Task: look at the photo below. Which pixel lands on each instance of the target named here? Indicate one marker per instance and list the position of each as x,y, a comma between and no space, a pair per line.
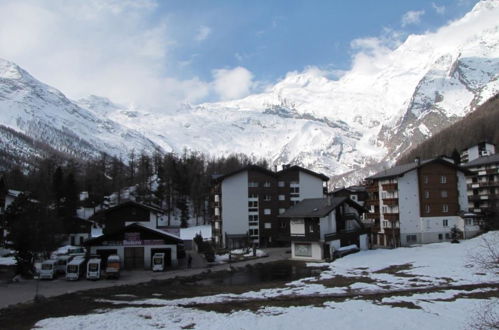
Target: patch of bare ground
320,300
397,270
344,281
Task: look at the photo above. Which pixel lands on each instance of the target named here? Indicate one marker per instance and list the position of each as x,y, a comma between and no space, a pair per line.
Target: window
445,208
253,232
266,184
253,184
268,225
283,224
426,194
268,198
281,184
443,179
445,223
281,210
384,209
447,236
253,218
303,249
266,211
469,222
294,190
443,193
427,209
440,237
425,179
252,196
253,204
311,228
282,197
353,197
411,238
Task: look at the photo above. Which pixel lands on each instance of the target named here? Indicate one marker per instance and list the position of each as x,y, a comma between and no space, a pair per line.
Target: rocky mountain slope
346,128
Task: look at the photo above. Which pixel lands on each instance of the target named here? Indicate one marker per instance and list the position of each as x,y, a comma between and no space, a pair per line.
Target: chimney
417,160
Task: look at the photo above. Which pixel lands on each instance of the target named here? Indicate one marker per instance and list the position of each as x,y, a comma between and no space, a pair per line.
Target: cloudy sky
160,54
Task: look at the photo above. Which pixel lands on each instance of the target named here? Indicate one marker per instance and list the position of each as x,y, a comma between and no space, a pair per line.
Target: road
24,291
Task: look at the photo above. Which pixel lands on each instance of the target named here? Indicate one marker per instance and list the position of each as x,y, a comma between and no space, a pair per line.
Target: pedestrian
189,261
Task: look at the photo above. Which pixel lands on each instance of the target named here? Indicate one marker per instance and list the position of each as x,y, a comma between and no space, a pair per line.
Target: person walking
189,261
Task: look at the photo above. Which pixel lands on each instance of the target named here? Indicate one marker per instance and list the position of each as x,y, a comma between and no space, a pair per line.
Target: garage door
134,258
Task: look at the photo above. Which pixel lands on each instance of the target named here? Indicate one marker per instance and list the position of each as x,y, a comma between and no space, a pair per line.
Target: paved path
14,293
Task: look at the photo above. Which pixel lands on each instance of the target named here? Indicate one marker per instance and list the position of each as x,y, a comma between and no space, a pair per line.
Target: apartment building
321,226
418,202
248,201
483,185
482,149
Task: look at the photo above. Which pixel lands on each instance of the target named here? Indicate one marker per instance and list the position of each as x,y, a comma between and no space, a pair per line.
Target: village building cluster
425,201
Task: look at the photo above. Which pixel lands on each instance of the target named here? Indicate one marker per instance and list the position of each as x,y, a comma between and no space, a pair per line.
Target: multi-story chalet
356,193
248,201
482,149
483,186
418,202
132,230
320,226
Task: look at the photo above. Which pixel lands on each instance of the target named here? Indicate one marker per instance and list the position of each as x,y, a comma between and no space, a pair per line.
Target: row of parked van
76,267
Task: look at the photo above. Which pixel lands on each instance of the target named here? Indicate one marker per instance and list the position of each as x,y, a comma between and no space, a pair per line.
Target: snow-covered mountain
346,128
45,114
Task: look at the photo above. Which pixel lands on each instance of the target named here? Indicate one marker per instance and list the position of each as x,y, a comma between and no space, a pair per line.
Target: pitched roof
317,207
164,234
400,170
492,159
296,167
243,169
124,204
270,173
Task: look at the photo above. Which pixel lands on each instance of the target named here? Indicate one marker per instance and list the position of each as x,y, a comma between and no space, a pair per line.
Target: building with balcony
320,226
247,202
483,188
482,149
418,202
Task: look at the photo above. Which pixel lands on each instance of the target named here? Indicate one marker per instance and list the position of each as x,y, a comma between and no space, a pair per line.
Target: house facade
418,202
321,226
483,186
134,232
247,203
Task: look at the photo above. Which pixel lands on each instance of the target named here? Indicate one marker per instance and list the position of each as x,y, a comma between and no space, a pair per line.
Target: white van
158,262
93,269
75,269
48,269
62,262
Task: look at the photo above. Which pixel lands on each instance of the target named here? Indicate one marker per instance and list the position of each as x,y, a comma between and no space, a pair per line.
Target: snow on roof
190,232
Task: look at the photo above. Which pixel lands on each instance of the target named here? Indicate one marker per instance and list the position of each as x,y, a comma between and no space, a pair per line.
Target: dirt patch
344,281
402,304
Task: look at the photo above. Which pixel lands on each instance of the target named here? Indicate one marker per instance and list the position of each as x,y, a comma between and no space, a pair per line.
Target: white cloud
232,83
203,33
412,17
439,9
113,48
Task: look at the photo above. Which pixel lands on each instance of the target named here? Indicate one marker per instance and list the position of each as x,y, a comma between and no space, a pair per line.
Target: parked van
93,269
75,269
158,262
113,266
62,262
48,269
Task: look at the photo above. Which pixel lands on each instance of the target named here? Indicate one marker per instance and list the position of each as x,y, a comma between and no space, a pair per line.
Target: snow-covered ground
7,261
405,288
191,232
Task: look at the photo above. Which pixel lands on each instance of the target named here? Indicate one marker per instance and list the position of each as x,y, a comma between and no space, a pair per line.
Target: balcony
391,201
391,216
374,216
374,202
389,186
372,188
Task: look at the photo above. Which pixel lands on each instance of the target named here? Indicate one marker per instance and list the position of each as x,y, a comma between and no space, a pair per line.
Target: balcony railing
372,188
372,202
391,201
391,216
389,186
